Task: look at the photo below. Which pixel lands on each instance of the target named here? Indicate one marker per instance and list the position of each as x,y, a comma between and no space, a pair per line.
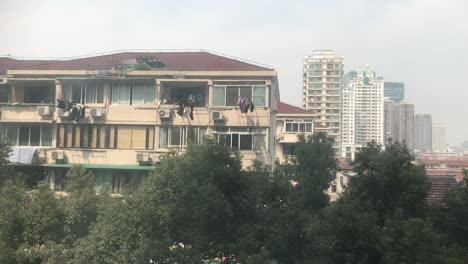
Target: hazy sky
420,42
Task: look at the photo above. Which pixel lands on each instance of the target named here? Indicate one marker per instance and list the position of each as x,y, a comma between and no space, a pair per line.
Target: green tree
12,200
81,202
288,206
381,217
6,170
44,220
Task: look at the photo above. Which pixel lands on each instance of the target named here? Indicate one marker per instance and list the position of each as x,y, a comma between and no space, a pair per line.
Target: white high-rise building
363,112
323,83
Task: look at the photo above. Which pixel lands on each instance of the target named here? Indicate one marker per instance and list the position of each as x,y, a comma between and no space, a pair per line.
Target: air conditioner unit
157,157
62,113
217,116
44,110
58,155
96,112
164,113
143,158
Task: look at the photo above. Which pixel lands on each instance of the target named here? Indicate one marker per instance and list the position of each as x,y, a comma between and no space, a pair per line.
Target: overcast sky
422,43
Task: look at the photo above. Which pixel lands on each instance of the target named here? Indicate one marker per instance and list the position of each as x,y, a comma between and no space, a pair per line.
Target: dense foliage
203,206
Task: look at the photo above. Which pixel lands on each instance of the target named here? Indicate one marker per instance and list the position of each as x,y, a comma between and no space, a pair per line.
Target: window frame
291,123
17,128
183,136
239,87
242,132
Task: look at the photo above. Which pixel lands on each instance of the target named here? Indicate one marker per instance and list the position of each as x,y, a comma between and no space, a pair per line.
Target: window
143,92
289,149
37,94
243,138
136,92
180,137
110,136
83,92
4,93
229,95
27,134
124,181
301,126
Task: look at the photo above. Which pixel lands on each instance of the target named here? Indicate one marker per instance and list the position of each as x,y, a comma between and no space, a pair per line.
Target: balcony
20,112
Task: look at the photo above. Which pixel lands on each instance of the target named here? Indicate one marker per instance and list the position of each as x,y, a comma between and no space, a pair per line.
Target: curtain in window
218,96
124,138
163,137
139,137
90,93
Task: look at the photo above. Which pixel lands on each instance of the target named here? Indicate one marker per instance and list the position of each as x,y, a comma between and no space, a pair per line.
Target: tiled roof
284,108
453,163
183,61
440,185
458,173
343,164
319,126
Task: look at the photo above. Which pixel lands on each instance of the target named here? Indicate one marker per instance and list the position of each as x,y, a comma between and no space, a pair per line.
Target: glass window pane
46,136
90,93
175,136
163,137
288,127
192,135
260,143
100,93
35,135
149,92
218,95
4,93
124,92
245,142
115,93
138,96
308,127
12,133
259,96
295,127
76,92
232,96
246,92
235,141
24,135
301,127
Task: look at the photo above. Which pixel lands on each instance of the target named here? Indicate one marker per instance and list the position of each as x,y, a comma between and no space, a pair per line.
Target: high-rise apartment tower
323,83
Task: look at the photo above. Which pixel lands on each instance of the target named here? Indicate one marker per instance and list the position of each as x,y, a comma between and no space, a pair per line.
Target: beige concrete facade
124,129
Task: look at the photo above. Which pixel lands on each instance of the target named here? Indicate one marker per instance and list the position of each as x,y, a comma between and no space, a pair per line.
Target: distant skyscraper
406,130
391,120
399,122
363,112
438,137
323,83
395,91
423,132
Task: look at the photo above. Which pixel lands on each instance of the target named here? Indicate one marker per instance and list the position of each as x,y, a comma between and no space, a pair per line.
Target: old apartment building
118,114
